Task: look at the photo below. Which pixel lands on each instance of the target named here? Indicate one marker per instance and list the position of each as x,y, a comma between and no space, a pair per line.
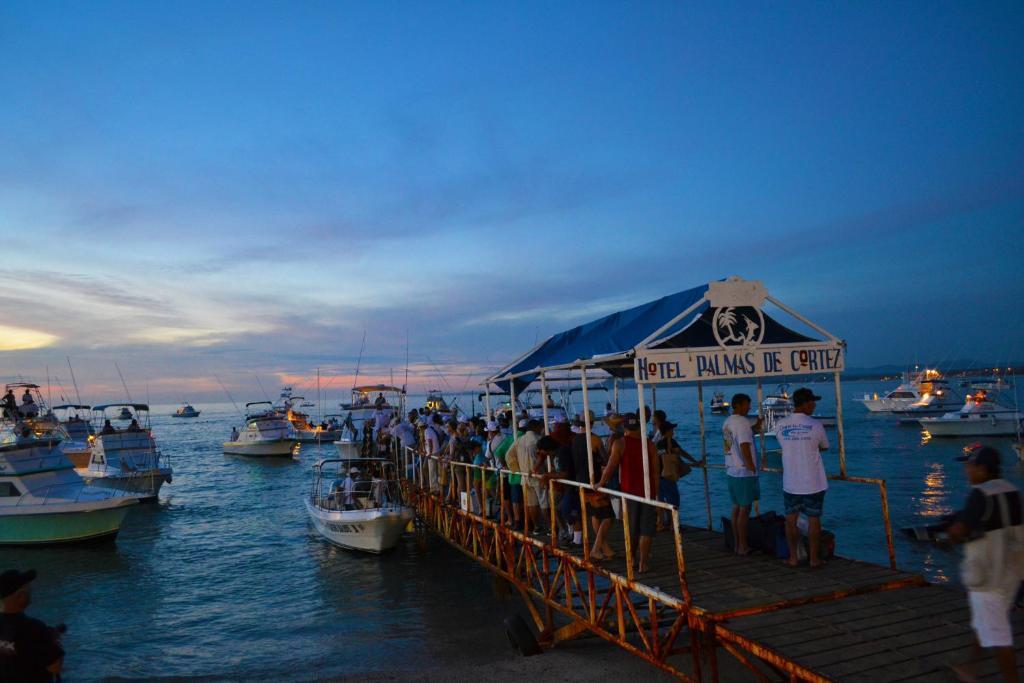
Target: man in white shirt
803,474
432,450
405,432
741,469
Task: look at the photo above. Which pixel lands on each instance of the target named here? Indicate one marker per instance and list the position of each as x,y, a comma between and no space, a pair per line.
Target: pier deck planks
906,634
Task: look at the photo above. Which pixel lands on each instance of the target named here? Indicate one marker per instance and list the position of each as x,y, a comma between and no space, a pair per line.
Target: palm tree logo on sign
738,326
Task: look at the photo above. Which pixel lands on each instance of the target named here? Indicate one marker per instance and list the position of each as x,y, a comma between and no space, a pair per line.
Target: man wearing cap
627,458
803,474
515,481
990,527
29,650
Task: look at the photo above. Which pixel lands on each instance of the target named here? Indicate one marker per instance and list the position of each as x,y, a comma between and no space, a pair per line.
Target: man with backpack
991,527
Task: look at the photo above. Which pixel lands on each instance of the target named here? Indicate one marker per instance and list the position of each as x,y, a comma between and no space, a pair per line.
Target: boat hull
969,428
319,437
73,526
372,531
263,449
143,485
349,449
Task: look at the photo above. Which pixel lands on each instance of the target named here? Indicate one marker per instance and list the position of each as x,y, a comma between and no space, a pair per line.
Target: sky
209,193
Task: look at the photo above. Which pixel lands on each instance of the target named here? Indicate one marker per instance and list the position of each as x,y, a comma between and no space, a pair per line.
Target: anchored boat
365,412
126,459
718,404
43,500
356,503
186,411
910,391
980,416
267,433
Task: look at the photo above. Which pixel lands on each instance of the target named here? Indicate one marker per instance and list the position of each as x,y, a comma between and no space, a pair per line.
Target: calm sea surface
224,577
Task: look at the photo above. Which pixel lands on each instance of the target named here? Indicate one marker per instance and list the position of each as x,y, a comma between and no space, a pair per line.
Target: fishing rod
230,397
127,393
260,384
406,383
359,362
78,396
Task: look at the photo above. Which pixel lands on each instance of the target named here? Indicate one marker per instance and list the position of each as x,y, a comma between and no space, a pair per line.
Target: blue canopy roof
611,335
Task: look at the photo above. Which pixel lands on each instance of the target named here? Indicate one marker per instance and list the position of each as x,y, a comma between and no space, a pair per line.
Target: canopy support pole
704,450
760,417
654,397
544,401
642,414
839,428
487,402
586,423
515,415
615,393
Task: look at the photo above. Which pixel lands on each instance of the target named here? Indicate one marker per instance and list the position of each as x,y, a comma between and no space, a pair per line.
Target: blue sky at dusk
244,188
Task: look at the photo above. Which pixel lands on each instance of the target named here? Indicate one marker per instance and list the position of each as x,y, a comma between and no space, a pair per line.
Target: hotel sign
739,362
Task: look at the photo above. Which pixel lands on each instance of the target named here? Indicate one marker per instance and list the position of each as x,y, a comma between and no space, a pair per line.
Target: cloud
20,338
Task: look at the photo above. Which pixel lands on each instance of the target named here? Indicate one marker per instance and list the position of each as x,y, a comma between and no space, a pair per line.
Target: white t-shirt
432,445
802,439
406,434
736,431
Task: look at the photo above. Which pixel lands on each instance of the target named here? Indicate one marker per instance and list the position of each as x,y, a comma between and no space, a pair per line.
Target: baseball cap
492,426
976,454
801,396
524,423
12,580
630,421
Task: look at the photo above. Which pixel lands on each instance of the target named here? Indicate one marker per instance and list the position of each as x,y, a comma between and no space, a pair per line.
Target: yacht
126,459
779,405
909,391
979,416
719,406
305,431
936,398
266,433
43,500
186,411
125,413
356,503
389,400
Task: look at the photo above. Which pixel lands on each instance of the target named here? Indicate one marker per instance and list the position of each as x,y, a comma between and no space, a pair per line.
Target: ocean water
225,578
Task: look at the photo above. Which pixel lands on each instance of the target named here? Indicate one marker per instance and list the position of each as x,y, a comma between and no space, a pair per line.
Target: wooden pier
847,621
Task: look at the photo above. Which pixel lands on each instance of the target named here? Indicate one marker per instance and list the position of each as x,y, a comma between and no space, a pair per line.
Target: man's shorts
515,493
990,618
643,518
744,490
811,504
536,493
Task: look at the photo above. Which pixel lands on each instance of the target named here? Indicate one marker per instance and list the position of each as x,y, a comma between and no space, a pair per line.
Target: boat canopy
136,406
717,331
258,403
378,388
71,406
21,385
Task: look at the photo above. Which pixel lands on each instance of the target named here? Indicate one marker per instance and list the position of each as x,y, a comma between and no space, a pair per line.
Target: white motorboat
305,431
356,503
126,459
910,391
378,411
719,406
779,405
936,398
43,500
186,411
980,416
267,433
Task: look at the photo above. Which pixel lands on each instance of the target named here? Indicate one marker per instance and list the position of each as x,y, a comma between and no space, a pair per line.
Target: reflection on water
225,576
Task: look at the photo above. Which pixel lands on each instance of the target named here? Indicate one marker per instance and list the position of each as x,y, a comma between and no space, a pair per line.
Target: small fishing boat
186,411
902,397
43,500
719,406
779,405
125,414
356,503
305,430
980,416
126,459
267,433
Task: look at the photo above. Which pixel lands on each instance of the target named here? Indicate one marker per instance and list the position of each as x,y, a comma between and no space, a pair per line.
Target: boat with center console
356,503
126,459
